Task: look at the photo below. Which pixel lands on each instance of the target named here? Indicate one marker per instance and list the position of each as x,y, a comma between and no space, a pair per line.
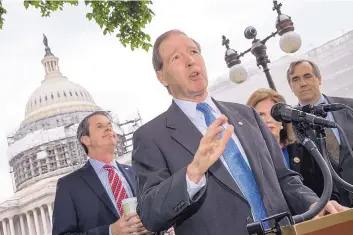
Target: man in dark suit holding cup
92,200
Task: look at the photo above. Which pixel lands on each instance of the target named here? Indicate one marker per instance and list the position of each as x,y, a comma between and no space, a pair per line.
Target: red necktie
118,189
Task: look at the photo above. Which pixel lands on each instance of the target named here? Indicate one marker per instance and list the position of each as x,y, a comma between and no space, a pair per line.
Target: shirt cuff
110,230
194,188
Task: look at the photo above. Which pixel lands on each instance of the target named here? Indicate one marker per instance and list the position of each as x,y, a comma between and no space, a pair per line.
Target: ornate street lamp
290,42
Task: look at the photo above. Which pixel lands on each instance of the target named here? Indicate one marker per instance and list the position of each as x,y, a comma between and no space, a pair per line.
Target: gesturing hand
210,149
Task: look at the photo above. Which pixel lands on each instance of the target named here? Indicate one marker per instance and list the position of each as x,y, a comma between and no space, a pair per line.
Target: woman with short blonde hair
286,134
295,154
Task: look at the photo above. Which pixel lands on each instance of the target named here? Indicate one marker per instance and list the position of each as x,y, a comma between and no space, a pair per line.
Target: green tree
125,18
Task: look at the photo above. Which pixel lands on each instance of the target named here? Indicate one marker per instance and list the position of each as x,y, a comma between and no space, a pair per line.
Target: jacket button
249,220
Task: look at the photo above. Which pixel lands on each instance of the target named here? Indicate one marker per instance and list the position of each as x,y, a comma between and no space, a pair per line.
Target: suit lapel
129,176
185,132
340,117
187,135
91,178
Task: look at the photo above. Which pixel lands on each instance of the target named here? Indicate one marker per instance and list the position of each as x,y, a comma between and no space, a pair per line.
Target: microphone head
298,107
277,110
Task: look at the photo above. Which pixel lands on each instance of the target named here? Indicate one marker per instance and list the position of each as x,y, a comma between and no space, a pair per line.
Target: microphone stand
325,165
258,228
320,134
328,184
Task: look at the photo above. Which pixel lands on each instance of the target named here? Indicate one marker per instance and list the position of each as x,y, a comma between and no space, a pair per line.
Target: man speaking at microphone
304,79
204,166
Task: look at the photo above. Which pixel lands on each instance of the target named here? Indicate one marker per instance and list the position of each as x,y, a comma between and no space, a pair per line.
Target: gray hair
157,60
292,66
83,127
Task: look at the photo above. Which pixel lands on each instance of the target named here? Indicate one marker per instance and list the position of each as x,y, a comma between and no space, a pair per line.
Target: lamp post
290,42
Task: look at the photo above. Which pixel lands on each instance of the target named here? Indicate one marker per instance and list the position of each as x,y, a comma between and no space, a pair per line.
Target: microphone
283,112
320,108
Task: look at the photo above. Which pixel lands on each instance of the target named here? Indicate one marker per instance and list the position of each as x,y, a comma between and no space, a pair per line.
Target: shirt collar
320,101
98,165
189,107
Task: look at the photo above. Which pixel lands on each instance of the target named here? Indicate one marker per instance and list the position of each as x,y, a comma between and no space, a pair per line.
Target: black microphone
320,108
283,112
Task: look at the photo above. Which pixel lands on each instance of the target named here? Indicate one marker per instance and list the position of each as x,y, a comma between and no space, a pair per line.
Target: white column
44,221
12,228
29,223
22,225
50,211
36,221
4,227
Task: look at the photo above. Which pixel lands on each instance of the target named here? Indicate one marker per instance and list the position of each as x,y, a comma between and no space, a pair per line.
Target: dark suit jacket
82,205
166,145
344,118
301,161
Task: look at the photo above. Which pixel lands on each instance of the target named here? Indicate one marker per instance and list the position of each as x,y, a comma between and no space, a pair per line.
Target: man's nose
189,61
303,82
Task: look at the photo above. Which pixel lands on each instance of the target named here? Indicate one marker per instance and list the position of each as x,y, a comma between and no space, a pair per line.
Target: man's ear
290,86
161,78
85,140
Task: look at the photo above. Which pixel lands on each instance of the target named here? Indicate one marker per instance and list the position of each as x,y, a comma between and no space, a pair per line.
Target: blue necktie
239,169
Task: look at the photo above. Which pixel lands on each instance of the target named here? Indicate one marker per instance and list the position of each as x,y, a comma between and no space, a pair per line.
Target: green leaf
2,12
146,47
127,19
89,16
26,3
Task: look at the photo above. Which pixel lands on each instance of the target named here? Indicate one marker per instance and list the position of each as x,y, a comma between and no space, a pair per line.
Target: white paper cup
129,205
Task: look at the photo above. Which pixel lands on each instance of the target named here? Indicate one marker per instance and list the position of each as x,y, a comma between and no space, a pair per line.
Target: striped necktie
333,146
117,186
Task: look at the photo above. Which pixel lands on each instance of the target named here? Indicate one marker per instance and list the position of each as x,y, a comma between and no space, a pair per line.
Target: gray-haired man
304,79
193,180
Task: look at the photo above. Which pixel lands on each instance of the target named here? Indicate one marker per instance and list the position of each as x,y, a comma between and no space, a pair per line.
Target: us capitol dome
45,147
